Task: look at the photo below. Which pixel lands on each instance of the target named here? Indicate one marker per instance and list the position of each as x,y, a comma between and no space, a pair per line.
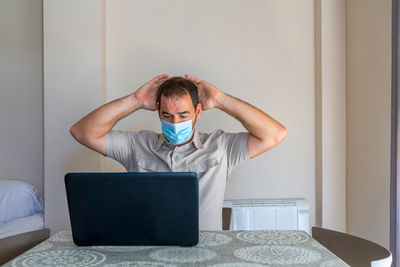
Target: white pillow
18,199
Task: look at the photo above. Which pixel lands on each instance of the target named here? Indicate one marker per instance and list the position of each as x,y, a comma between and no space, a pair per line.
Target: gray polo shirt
211,155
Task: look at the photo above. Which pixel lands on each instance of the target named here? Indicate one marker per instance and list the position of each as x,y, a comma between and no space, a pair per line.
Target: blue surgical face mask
177,133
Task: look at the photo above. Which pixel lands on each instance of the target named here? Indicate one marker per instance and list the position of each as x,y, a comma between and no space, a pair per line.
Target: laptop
133,208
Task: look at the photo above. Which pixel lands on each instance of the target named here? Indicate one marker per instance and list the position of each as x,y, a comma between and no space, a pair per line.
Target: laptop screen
133,208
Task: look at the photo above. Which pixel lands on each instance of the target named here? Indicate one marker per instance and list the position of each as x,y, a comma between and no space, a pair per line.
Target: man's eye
183,117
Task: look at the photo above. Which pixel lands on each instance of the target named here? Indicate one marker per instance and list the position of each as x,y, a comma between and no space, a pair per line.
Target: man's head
178,100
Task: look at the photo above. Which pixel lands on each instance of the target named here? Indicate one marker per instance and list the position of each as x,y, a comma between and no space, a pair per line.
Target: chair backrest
13,246
226,218
353,250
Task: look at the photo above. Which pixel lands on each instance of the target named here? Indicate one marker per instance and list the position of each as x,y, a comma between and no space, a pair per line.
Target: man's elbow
281,135
276,139
74,132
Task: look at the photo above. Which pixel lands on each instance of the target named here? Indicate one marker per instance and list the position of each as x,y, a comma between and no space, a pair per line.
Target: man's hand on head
208,93
91,130
146,95
264,131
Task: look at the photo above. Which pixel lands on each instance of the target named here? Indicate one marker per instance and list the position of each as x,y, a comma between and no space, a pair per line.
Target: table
215,248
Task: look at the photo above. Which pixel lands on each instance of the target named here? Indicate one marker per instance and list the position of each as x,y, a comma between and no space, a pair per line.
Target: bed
21,208
22,225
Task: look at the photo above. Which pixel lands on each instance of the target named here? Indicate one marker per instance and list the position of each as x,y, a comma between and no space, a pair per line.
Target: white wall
330,113
259,51
72,88
21,93
368,118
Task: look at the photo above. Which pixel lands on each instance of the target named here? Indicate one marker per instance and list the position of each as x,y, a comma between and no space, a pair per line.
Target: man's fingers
193,78
160,77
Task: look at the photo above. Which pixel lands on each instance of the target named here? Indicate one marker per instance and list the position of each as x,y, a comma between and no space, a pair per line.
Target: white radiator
269,214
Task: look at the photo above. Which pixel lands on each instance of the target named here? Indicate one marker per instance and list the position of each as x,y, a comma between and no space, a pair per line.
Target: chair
226,218
12,246
353,250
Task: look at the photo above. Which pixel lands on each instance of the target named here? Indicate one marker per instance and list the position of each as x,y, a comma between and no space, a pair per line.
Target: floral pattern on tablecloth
215,249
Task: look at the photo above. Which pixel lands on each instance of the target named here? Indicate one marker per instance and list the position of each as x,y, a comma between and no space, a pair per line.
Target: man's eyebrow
180,113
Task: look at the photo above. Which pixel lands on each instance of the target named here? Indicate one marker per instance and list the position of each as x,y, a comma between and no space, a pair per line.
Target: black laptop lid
133,208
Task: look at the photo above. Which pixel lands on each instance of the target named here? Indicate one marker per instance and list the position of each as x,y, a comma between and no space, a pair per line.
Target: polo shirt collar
196,140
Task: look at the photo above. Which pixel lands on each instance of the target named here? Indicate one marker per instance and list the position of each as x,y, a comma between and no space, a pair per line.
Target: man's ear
199,109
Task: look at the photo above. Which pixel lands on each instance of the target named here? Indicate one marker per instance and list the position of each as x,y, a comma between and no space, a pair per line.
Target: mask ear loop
194,126
195,116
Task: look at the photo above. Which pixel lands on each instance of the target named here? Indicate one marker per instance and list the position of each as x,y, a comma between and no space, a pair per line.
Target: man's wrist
133,102
219,101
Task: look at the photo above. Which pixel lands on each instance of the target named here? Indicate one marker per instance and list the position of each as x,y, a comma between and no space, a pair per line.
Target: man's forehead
176,104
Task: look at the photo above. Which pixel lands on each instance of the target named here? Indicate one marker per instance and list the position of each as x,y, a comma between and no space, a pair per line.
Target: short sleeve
236,148
119,146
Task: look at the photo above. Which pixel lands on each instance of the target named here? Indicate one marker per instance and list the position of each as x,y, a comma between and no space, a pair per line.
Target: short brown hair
178,87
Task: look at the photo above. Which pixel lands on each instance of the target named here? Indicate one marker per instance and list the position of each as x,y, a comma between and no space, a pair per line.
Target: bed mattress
22,225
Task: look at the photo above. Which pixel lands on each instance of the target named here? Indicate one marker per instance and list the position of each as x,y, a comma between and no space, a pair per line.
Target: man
180,102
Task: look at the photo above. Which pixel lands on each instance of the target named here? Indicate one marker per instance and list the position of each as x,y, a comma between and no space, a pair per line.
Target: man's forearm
100,121
257,123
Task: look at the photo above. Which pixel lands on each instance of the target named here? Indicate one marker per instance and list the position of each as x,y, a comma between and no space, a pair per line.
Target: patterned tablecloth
215,248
